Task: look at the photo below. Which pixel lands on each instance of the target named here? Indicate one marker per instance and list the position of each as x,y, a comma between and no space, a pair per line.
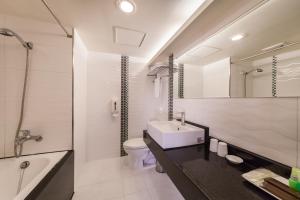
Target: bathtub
10,172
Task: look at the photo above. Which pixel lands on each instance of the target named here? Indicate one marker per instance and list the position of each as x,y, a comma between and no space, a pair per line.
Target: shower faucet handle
25,132
26,135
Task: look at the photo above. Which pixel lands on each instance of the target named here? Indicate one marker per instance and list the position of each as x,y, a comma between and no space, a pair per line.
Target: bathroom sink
171,134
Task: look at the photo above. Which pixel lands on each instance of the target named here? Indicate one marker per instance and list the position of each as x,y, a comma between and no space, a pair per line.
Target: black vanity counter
200,174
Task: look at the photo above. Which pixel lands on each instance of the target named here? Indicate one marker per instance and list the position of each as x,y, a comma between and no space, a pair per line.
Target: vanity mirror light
258,55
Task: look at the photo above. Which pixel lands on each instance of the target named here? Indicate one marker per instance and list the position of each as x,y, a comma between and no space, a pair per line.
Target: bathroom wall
200,80
298,146
288,81
2,89
48,106
216,71
260,84
103,83
80,102
289,78
266,126
143,106
193,81
237,79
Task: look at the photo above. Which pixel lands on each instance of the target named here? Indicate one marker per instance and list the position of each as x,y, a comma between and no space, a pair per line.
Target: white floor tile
111,189
165,194
111,179
90,192
134,184
102,191
99,171
144,195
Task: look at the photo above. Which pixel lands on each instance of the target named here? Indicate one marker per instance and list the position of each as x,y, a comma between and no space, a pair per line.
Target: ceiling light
237,37
126,6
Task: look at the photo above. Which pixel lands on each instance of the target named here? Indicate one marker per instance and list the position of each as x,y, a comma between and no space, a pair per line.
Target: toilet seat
135,143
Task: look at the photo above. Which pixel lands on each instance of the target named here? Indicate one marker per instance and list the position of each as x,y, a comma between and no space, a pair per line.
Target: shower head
259,70
6,32
253,70
10,33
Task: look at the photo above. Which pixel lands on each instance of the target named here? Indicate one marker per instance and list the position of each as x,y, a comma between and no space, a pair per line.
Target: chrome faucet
182,117
24,137
27,136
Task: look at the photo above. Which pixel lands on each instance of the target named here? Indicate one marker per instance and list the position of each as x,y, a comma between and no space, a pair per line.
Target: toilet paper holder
115,111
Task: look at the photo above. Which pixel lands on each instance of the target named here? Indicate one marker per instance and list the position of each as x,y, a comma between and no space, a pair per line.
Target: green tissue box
294,185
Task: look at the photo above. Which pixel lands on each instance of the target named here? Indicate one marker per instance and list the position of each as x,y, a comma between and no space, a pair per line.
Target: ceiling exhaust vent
203,51
128,37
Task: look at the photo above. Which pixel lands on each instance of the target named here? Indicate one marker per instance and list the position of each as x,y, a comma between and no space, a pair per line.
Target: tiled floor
110,179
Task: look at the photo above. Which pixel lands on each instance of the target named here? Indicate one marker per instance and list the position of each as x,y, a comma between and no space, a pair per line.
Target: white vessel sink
171,134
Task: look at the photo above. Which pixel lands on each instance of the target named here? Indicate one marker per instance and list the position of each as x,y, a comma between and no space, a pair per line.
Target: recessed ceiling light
237,37
126,6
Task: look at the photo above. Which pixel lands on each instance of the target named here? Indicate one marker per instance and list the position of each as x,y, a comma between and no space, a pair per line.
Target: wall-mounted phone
115,110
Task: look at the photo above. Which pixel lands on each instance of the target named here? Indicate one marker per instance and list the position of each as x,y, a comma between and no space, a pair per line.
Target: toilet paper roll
213,145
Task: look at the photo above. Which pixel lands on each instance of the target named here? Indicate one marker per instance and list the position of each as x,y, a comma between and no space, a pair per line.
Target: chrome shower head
253,70
259,70
10,33
6,32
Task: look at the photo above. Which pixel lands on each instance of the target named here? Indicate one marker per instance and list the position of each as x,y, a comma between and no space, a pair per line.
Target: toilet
138,153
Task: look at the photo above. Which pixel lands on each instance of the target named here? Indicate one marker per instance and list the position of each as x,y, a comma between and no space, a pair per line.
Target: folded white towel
157,87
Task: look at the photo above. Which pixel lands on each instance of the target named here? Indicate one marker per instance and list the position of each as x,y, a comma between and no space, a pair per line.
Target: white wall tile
2,92
298,128
103,83
2,39
2,82
266,126
12,114
2,125
50,85
42,58
43,116
80,103
143,106
216,78
52,119
14,81
14,53
48,105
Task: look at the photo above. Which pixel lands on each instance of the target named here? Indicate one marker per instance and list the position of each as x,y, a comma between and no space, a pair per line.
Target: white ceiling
95,19
274,22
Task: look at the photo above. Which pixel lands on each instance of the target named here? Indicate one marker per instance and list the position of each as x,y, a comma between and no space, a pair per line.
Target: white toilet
137,152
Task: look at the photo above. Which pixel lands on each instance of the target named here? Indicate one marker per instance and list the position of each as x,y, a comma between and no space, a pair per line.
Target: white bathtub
10,171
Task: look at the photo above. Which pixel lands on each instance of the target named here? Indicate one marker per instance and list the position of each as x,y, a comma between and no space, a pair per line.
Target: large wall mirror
256,56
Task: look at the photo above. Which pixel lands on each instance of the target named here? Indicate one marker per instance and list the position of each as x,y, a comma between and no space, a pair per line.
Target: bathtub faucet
24,137
27,136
